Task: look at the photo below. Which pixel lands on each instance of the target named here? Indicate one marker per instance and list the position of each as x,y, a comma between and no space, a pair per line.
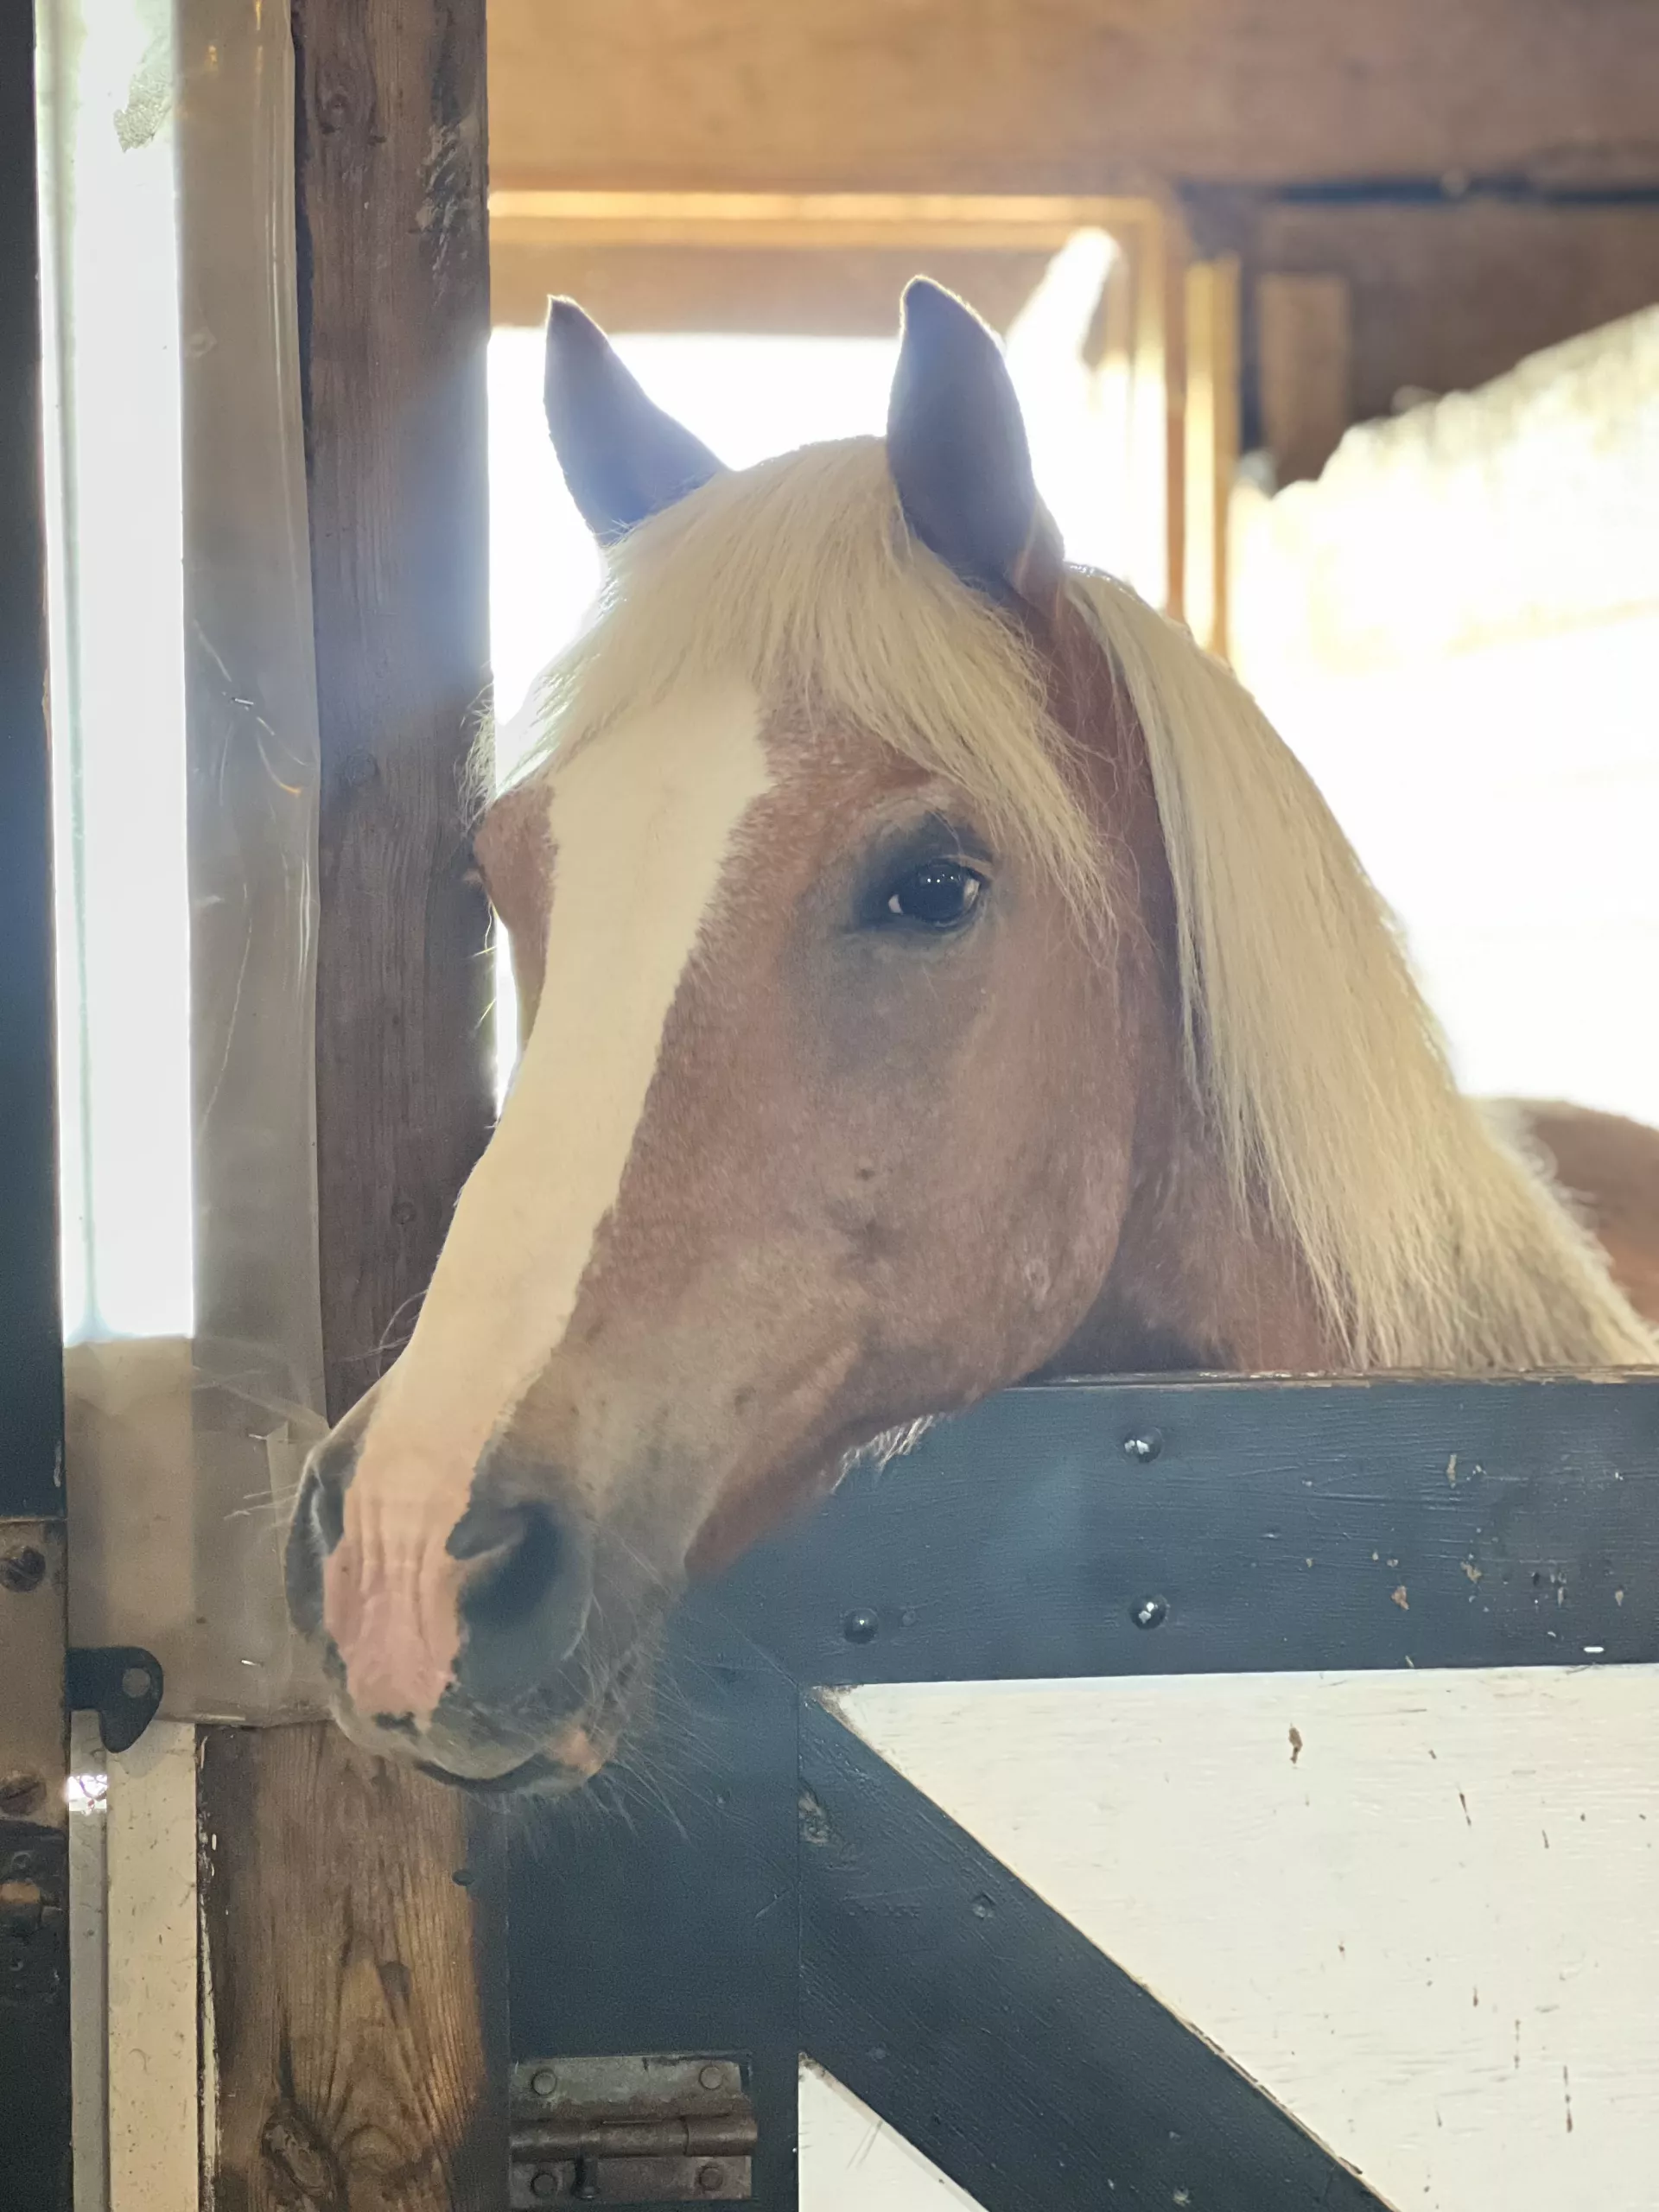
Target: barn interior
1377,217
1475,182
1337,332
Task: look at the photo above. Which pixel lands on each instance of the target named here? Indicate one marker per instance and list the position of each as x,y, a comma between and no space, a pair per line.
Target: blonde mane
800,576
1430,1241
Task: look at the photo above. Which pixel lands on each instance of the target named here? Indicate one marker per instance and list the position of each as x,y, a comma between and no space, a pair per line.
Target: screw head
19,1793
1144,1446
544,2080
709,2178
861,1627
1151,1612
544,2183
135,1682
22,1569
712,2077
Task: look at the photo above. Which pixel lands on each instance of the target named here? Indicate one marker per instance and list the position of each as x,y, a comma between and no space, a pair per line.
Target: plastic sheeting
182,1450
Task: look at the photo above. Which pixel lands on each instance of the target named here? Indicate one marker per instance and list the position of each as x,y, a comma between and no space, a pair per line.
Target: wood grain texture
1212,313
1445,298
356,1999
394,312
349,2045
1282,1525
1061,94
1221,98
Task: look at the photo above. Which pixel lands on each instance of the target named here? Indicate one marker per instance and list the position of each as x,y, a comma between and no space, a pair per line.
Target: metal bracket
121,1683
647,2130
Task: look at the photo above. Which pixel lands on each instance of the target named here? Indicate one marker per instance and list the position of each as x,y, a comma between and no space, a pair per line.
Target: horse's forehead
821,774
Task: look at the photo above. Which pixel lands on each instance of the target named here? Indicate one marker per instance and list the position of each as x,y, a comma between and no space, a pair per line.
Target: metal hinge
122,1684
668,2130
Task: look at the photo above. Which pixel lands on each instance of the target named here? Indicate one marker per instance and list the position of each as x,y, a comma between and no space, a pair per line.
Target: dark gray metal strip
35,2111
996,2038
1220,1527
35,2103
31,1411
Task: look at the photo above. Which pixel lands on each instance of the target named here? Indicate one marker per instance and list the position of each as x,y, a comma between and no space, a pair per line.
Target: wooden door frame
355,2015
1148,228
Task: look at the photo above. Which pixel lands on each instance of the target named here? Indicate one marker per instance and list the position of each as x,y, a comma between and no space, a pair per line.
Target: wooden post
1148,314
1212,442
357,2007
1304,360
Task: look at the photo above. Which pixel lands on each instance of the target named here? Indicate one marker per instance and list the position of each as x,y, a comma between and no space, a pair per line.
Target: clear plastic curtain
185,737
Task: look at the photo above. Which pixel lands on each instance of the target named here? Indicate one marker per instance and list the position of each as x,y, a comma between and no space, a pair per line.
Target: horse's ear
956,447
622,457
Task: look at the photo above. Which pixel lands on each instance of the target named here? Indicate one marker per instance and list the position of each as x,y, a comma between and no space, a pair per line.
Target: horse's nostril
513,1572
329,1507
309,1542
525,1601
488,1527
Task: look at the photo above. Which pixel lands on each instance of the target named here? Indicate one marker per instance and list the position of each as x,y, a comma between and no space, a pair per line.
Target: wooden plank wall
1211,443
358,2007
1305,369
1075,95
1226,100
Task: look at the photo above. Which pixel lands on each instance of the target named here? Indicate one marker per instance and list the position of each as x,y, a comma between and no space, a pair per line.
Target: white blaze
642,820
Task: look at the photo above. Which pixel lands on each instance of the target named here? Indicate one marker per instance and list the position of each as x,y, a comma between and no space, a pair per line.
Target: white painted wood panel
851,2161
89,2011
151,1919
1420,1909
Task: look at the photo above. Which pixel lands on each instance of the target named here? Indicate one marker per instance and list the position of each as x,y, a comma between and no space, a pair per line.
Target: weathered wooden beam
357,2070
1077,96
1212,442
357,2013
1305,369
394,321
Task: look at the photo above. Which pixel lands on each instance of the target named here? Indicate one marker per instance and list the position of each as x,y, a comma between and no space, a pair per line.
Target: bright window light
116,541
747,396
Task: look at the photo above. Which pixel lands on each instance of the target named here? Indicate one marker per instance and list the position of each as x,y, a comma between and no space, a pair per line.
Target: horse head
806,907
918,995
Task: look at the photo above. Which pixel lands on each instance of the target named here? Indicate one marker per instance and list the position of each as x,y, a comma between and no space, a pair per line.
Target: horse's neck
1453,1256
1191,1285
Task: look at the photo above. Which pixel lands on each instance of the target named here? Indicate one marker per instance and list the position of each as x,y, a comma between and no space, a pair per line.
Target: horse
935,974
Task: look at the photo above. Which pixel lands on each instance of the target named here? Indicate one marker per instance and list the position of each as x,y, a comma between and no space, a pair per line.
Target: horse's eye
939,895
